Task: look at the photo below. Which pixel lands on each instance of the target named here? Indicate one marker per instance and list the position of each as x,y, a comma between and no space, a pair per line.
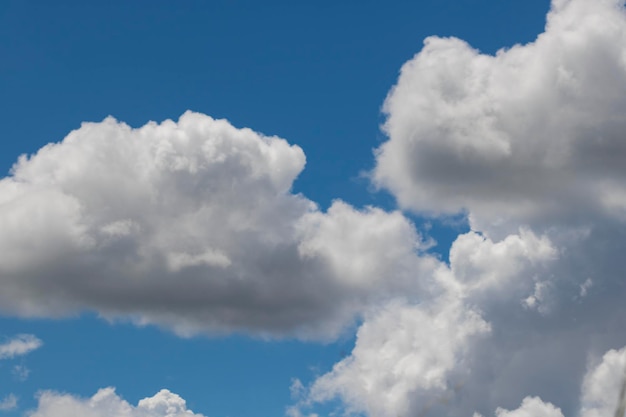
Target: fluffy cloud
192,225
403,359
19,345
528,143
532,135
438,357
531,407
106,403
479,344
600,397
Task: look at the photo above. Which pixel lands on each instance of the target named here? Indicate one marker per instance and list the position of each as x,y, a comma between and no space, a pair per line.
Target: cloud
599,396
437,357
529,144
8,403
192,225
599,393
106,403
532,135
403,359
531,407
19,345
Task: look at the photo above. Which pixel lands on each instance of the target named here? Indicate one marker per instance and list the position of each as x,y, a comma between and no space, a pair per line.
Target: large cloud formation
192,225
530,144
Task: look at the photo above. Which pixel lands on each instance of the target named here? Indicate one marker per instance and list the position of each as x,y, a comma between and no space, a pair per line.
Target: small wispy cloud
19,345
20,372
8,403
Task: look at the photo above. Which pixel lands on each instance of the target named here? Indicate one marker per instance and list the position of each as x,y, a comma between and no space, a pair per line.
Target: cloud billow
533,134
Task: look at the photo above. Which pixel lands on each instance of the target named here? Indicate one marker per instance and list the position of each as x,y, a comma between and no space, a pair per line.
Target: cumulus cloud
437,357
192,225
19,345
403,360
529,144
106,403
599,394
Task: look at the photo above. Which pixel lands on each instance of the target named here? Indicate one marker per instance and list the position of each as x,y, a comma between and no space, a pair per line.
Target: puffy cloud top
106,403
193,225
532,135
530,144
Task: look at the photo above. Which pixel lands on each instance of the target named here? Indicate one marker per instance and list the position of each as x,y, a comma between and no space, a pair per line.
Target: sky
235,208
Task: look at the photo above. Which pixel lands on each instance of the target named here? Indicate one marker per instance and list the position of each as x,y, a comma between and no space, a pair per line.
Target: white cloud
529,144
602,384
19,345
532,135
531,407
106,403
480,263
192,225
8,403
435,357
403,360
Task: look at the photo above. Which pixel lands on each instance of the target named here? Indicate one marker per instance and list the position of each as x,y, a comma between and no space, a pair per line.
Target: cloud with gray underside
193,225
529,143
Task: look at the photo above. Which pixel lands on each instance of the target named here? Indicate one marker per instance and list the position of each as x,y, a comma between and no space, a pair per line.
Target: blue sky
314,74
317,75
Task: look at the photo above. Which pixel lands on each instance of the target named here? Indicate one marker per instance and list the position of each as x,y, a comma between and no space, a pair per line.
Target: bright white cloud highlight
106,403
403,359
19,345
